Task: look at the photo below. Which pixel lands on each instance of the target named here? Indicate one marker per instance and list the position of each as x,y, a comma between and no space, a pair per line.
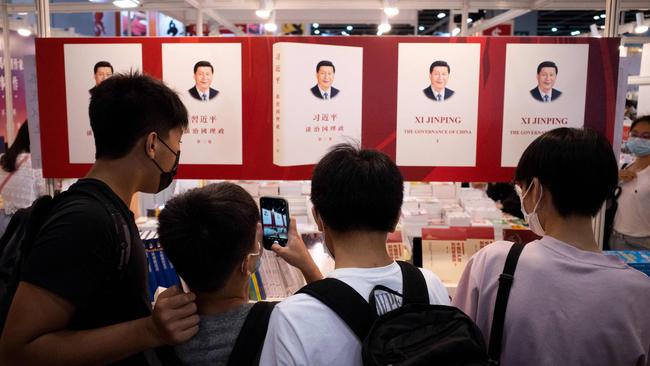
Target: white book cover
437,104
80,61
545,88
317,97
208,78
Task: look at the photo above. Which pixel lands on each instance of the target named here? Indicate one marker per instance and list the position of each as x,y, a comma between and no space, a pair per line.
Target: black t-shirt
76,257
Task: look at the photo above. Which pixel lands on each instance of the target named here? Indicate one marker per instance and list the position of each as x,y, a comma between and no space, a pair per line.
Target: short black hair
126,107
203,64
206,233
325,63
576,166
439,64
355,189
102,64
547,64
642,119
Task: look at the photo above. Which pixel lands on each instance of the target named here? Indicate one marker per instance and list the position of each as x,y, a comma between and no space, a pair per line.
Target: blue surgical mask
638,146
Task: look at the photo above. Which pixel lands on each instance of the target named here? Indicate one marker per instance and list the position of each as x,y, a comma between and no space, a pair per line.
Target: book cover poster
437,104
86,66
208,78
317,100
545,88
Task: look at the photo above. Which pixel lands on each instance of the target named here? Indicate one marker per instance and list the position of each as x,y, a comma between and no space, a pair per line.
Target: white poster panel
314,107
643,104
213,97
437,104
539,101
80,78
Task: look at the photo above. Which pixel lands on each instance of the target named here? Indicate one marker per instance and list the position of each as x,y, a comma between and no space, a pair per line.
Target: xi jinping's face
439,77
203,77
325,77
546,78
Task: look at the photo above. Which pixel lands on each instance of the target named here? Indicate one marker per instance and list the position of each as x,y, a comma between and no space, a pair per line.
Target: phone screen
275,221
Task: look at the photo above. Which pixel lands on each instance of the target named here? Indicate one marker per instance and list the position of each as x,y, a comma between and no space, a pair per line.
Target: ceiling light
263,13
391,12
441,15
384,28
575,33
379,33
126,4
345,33
602,16
469,20
349,27
316,31
455,32
270,27
602,27
641,27
22,13
596,17
315,25
553,29
421,28
25,32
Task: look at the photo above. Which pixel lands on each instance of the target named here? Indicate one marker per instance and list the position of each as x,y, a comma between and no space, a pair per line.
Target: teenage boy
357,196
212,236
75,305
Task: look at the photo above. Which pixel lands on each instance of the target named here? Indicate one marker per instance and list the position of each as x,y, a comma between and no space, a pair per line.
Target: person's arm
36,334
297,255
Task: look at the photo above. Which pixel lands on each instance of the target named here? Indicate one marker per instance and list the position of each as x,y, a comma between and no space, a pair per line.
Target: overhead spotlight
263,13
391,12
596,17
441,15
270,27
25,32
602,27
575,33
345,33
421,28
315,25
553,29
23,13
126,4
379,33
316,31
455,32
602,16
384,28
641,27
469,20
349,28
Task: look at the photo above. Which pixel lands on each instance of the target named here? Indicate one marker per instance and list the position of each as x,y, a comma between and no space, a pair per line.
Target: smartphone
275,221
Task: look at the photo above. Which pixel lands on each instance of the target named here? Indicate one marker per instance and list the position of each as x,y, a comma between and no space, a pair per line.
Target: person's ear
150,144
319,221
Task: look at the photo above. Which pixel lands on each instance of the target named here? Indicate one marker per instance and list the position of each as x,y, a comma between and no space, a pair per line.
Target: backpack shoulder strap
345,301
414,286
248,346
121,226
505,283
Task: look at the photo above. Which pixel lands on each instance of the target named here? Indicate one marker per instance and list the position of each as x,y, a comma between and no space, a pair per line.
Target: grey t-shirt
216,337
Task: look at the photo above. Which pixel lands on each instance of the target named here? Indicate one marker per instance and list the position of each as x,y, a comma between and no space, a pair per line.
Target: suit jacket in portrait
429,93
538,96
195,93
317,93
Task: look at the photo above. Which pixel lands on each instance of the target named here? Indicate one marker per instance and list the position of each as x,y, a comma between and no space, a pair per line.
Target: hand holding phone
274,212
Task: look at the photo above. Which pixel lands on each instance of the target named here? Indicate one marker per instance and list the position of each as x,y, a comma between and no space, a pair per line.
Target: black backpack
23,228
416,333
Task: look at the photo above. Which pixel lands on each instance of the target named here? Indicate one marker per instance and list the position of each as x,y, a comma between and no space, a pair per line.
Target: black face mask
167,177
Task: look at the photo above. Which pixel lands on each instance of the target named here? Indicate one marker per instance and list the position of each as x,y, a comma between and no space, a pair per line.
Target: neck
124,184
202,91
574,230
324,89
641,162
234,295
545,91
359,249
438,91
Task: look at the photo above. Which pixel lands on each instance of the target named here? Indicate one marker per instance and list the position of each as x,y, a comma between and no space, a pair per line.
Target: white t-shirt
304,331
23,186
633,212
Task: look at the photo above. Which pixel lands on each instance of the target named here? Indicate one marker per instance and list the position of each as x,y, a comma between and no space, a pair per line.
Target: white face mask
532,219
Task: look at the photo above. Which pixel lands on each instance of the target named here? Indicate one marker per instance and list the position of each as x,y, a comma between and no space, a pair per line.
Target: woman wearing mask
555,310
632,221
